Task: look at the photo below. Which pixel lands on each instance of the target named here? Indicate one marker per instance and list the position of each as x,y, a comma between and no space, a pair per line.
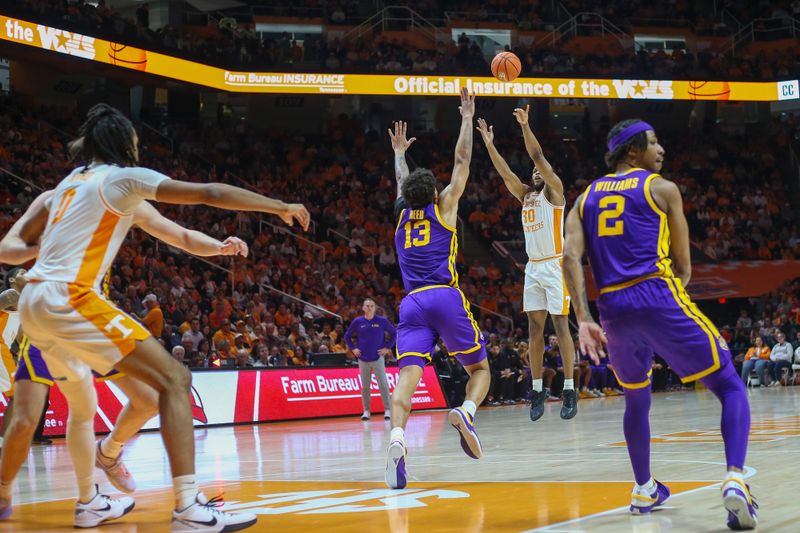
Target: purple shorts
438,311
658,316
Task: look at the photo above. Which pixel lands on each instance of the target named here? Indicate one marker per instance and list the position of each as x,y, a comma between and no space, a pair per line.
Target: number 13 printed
423,229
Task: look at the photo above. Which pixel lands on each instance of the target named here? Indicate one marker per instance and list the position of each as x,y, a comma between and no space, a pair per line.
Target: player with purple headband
631,225
427,246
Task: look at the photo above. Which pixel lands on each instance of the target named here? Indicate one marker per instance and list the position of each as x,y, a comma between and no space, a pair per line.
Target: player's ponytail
107,135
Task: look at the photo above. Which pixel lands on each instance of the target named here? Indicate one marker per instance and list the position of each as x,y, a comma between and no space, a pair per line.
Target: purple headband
621,137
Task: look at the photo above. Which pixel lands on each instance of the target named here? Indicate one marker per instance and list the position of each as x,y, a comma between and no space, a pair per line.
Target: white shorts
545,287
76,329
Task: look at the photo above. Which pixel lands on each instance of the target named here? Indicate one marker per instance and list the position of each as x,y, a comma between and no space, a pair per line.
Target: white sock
398,433
649,487
110,448
537,385
470,407
569,384
185,488
1,442
734,475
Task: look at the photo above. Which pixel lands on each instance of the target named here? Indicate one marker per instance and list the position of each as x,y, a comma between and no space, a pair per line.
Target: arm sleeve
125,188
392,333
347,339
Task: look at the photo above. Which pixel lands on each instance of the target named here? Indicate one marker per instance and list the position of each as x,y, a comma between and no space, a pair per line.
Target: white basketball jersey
87,226
543,225
9,327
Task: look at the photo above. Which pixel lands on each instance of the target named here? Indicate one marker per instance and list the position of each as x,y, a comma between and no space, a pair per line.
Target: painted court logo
343,501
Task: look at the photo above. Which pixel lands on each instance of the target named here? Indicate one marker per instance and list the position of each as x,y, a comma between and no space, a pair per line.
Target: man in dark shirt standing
374,336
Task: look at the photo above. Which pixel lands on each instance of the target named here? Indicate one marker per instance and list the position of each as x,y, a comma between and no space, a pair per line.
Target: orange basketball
506,66
127,56
709,90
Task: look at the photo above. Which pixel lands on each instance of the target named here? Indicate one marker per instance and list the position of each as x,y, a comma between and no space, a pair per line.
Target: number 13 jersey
426,247
627,235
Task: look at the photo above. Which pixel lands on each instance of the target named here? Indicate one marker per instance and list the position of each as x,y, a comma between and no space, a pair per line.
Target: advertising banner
732,279
226,397
130,57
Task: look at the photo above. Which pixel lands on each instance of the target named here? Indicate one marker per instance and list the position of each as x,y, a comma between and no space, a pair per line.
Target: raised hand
234,246
522,115
399,141
296,212
467,107
487,132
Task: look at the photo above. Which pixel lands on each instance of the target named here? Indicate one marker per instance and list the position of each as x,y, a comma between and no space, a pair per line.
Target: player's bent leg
536,321
22,423
150,363
142,406
411,368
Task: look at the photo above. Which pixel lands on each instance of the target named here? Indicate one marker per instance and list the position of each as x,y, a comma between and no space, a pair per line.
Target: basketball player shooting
631,225
545,291
434,306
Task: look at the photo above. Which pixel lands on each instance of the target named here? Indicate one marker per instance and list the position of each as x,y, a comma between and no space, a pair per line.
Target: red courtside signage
226,397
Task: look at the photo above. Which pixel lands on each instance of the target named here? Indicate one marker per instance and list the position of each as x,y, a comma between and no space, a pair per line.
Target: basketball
506,66
709,90
127,56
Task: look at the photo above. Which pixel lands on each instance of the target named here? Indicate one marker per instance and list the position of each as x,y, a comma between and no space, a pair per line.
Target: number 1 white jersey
543,225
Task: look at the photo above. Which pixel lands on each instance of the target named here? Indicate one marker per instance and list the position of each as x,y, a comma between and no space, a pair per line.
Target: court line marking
748,473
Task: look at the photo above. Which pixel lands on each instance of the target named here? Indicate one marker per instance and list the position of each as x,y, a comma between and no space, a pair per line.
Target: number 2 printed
608,224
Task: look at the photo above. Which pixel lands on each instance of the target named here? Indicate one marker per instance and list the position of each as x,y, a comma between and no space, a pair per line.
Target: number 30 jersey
626,232
543,225
426,247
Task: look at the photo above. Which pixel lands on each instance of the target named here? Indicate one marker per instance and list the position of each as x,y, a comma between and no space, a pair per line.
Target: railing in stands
504,318
167,138
286,231
22,180
388,16
765,29
586,23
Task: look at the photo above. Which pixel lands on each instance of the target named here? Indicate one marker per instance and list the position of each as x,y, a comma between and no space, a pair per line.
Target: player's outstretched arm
512,181
229,197
448,200
194,242
400,144
666,193
551,180
590,335
21,243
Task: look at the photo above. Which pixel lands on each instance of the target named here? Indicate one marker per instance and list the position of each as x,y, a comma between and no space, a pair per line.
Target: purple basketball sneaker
643,503
740,504
460,419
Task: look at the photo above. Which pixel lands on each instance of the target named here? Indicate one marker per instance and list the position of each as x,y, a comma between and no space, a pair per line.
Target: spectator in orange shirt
757,356
218,316
283,317
224,335
154,319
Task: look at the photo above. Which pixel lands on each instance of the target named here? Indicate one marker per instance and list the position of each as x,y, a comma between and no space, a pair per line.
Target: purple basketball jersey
426,248
627,236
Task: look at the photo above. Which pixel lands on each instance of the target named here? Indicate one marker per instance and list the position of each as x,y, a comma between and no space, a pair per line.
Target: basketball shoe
460,419
537,404
643,502
101,509
115,470
395,476
740,504
570,407
207,515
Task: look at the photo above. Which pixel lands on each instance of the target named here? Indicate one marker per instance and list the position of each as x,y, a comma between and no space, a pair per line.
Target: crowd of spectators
233,312
234,44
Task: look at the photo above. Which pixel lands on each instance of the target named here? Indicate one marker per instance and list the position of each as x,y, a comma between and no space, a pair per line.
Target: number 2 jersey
627,235
426,247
